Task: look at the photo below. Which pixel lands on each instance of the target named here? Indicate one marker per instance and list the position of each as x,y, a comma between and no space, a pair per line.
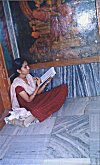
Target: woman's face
25,68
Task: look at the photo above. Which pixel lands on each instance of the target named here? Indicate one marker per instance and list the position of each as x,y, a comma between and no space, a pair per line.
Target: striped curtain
82,80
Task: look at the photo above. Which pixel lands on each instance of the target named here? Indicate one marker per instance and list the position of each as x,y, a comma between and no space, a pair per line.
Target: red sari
44,104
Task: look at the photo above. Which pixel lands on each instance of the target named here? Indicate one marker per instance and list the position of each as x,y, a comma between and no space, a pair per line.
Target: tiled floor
70,137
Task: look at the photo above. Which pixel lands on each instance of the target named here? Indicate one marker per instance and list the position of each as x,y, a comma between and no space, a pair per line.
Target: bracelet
34,94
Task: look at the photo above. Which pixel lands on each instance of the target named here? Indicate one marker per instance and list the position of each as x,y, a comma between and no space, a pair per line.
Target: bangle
34,94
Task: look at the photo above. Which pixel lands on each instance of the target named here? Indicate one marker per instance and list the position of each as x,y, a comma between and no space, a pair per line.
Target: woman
27,93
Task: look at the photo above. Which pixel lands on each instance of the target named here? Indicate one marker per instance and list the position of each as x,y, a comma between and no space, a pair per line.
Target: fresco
5,41
54,30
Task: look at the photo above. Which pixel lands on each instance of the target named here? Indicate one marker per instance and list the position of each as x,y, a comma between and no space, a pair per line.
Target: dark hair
17,64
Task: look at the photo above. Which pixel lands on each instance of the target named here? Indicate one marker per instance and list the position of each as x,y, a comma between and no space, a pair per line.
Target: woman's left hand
48,81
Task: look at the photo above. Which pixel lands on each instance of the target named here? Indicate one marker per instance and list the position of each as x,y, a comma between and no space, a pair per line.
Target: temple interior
64,34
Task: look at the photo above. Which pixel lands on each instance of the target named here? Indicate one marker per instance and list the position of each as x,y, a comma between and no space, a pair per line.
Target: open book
49,74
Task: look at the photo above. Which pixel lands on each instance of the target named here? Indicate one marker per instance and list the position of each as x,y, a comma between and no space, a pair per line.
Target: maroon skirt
45,104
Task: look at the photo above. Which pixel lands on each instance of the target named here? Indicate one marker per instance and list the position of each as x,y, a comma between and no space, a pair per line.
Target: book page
50,73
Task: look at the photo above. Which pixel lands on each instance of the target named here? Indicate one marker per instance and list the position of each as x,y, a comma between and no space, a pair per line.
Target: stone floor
70,137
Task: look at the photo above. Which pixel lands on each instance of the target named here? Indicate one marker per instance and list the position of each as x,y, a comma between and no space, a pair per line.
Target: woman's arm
26,97
44,85
41,89
29,98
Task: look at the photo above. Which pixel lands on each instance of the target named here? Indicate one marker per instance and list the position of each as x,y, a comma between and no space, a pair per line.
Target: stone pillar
10,26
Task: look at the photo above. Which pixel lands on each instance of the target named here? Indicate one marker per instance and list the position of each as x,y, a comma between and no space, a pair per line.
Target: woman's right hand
38,81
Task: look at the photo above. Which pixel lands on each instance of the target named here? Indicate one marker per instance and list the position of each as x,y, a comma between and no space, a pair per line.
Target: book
49,74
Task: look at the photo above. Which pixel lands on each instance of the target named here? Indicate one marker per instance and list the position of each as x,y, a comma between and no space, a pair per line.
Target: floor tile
29,147
5,142
38,128
70,138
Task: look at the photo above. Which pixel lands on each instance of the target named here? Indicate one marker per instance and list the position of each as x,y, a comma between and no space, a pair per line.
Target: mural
5,41
81,38
49,30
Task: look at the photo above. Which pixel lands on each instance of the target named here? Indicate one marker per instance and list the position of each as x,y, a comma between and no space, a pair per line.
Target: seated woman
27,93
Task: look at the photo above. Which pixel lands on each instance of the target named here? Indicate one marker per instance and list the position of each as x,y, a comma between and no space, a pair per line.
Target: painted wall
5,41
82,80
55,30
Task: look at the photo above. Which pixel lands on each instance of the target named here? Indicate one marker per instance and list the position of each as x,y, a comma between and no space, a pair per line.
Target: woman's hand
41,89
38,81
48,81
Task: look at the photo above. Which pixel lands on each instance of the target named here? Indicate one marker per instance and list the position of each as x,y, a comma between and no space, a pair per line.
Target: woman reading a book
27,93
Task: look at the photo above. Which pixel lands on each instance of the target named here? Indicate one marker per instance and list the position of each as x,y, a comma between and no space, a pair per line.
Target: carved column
10,26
